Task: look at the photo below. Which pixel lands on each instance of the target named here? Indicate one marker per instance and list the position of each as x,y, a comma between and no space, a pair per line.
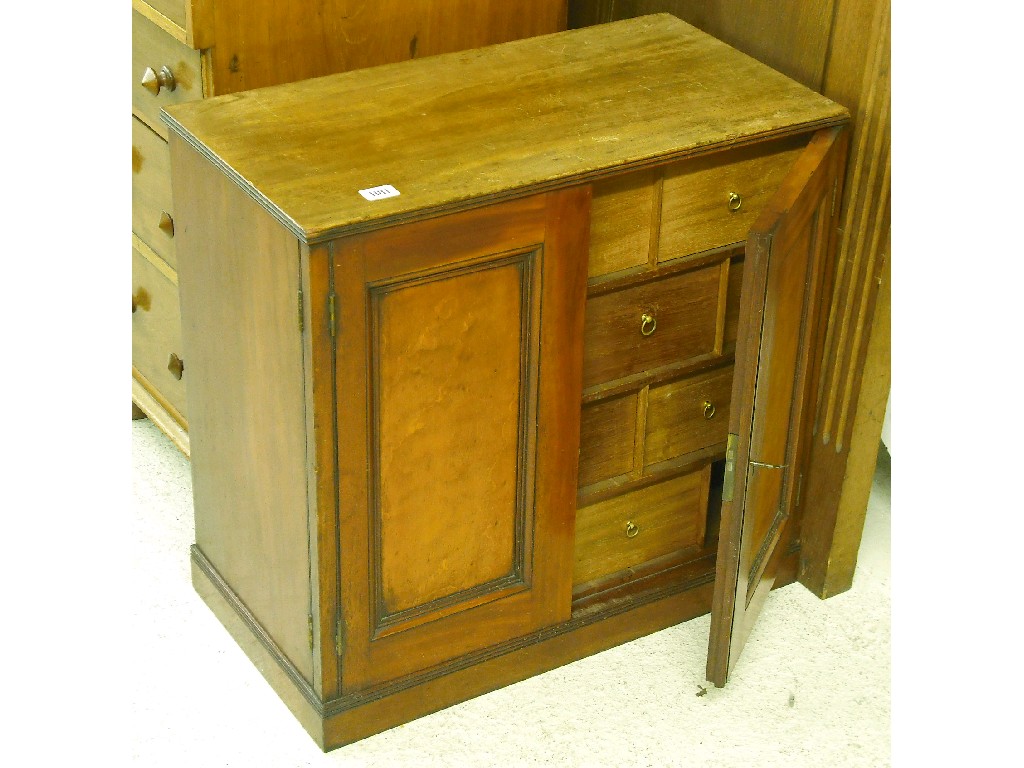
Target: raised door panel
787,251
459,382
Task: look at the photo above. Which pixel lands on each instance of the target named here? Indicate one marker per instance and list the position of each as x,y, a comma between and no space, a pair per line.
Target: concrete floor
812,688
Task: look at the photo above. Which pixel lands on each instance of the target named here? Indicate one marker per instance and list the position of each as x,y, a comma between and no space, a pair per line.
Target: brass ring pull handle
735,201
154,81
648,324
176,366
709,410
166,224
632,529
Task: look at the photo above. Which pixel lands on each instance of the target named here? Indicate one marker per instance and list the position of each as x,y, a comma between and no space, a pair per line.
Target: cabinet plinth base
353,717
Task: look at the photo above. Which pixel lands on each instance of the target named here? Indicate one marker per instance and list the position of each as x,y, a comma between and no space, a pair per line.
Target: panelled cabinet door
786,253
459,372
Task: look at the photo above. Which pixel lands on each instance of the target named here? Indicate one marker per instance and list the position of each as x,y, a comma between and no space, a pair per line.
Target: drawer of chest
164,72
660,322
152,219
628,530
174,10
713,201
156,334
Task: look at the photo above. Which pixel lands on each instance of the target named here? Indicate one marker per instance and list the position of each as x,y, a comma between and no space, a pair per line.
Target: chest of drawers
499,358
187,50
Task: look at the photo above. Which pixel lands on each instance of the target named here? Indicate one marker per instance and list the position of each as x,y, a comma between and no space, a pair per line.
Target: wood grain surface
534,112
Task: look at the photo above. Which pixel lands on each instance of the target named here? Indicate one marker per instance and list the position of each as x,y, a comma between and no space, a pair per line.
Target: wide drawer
713,201
643,327
156,335
153,51
628,530
152,217
687,415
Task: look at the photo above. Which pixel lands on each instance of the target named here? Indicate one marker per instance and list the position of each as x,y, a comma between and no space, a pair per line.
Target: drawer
628,530
172,9
152,218
652,324
687,415
620,222
607,438
153,49
156,334
699,211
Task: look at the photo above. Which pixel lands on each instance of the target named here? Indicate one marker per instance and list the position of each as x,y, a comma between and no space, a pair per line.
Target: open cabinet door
786,254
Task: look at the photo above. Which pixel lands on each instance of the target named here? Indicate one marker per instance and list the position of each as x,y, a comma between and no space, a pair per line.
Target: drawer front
607,438
152,217
172,9
153,50
156,334
620,223
712,201
652,324
687,415
628,530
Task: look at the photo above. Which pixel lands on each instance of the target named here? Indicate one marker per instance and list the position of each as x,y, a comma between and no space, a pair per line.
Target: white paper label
379,193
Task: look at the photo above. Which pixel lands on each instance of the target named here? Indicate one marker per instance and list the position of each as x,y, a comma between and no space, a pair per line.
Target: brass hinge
310,617
339,638
729,481
331,315
302,321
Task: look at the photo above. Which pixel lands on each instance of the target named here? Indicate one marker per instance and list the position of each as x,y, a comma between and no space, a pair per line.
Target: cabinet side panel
239,281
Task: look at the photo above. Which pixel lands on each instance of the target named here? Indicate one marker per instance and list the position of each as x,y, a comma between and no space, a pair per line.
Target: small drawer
164,72
156,335
152,217
628,530
652,324
687,415
620,222
607,438
713,201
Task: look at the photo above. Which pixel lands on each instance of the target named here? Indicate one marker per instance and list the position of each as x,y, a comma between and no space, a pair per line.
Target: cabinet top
459,130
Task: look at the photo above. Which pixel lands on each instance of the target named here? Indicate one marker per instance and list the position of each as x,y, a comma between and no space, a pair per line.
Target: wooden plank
854,381
540,110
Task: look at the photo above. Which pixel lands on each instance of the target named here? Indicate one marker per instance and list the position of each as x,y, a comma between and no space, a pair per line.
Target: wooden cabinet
187,50
467,401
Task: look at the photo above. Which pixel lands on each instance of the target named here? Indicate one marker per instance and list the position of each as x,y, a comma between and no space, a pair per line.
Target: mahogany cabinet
186,50
499,358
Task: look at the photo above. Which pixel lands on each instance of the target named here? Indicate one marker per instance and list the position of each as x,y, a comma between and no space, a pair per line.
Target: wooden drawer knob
709,410
735,201
154,81
632,529
166,224
176,366
648,324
